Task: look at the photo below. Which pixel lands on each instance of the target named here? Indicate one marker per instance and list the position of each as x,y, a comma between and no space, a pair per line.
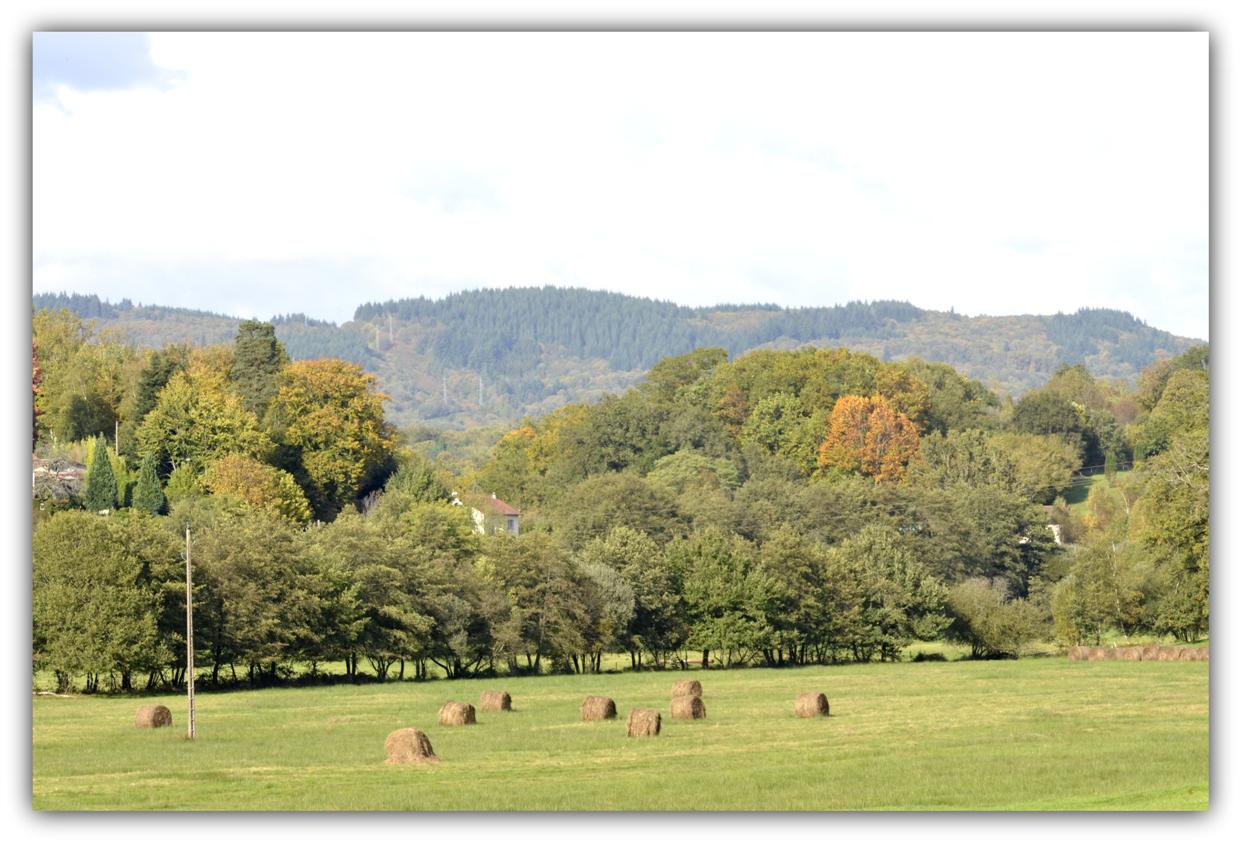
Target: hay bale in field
1169,653
496,702
456,714
642,722
1097,654
686,687
1188,655
688,708
408,745
1150,653
1079,652
1204,653
598,708
1111,653
153,716
1129,654
811,705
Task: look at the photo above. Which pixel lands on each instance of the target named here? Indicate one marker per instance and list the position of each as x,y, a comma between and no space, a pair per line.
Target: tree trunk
706,659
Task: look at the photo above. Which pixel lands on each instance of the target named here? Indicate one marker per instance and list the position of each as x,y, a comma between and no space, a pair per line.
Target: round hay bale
1187,655
642,722
1129,654
1110,653
1204,653
153,716
456,714
1079,652
1150,653
688,708
1097,654
408,745
686,687
496,702
598,708
811,705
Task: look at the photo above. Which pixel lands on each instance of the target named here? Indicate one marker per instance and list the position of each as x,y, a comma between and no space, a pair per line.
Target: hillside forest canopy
491,357
778,507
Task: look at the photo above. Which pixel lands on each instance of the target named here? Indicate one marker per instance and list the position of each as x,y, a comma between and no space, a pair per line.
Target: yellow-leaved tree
259,485
330,414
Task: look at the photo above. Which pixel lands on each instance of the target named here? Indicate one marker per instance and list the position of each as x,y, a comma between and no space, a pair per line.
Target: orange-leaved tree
866,435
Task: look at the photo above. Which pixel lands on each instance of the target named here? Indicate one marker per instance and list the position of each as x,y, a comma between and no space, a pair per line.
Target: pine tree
101,484
258,356
149,496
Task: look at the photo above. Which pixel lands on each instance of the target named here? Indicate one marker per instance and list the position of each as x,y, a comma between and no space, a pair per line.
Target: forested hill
527,351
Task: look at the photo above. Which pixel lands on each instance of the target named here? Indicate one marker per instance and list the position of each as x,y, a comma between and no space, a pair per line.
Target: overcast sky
266,173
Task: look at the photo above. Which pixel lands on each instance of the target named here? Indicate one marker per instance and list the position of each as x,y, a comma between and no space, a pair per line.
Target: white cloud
997,173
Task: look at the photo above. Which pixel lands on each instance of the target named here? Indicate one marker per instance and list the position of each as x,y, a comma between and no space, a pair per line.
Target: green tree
1043,464
780,424
965,457
195,421
599,503
256,591
992,623
416,477
610,604
657,625
159,368
100,493
727,595
899,599
149,495
802,611
373,596
1171,520
95,610
687,469
547,601
1103,590
257,359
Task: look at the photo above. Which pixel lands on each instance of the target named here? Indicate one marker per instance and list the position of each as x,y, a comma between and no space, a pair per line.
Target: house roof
499,506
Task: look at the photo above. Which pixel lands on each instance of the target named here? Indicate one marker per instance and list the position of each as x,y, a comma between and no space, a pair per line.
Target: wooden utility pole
189,633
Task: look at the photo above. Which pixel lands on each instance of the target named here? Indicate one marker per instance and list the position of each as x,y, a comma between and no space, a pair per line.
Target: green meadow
1041,733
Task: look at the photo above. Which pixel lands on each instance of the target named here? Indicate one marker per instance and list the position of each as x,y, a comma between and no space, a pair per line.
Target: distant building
56,479
491,514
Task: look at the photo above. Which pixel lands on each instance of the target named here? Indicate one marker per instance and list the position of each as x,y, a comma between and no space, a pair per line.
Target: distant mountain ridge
494,356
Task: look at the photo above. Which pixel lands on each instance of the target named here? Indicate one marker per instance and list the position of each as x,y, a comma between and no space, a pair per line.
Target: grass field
1042,733
1076,495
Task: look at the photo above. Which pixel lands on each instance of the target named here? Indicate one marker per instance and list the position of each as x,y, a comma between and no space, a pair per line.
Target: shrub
991,624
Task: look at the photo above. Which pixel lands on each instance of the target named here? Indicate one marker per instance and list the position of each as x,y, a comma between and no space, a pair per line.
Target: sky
264,173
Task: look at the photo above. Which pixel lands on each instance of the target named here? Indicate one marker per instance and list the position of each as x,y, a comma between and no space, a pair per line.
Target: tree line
775,508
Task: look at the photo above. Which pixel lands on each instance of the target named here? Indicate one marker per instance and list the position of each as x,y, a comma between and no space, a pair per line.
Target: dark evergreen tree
149,496
258,356
100,491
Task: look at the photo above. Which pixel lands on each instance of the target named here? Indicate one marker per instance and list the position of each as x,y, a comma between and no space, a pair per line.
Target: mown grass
1041,733
1076,495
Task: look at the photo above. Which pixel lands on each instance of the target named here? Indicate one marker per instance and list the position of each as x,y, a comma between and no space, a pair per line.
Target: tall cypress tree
149,496
257,358
101,484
